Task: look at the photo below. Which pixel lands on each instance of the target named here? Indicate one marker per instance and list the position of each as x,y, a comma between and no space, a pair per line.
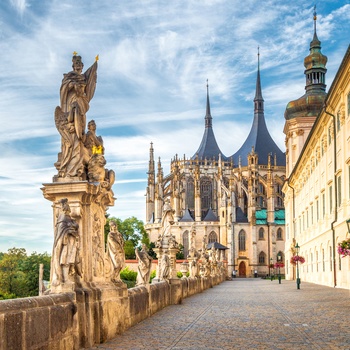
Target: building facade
236,201
317,190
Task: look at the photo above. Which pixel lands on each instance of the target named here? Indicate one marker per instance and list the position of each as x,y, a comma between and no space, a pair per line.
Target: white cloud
155,57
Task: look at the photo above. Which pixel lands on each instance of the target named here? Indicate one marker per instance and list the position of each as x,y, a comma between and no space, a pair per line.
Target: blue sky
155,57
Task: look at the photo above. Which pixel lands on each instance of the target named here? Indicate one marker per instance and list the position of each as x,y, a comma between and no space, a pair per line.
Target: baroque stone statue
164,272
65,256
77,89
144,266
115,251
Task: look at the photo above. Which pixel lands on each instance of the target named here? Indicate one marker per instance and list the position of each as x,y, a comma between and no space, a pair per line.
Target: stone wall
91,315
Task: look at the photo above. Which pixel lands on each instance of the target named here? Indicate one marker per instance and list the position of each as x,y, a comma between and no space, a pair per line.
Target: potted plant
297,258
344,248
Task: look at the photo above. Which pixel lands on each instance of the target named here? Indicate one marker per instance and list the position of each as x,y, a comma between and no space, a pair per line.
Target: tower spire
258,100
315,19
208,117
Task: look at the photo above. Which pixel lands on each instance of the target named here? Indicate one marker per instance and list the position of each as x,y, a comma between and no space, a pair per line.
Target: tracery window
190,193
262,258
279,234
206,194
241,241
212,237
261,233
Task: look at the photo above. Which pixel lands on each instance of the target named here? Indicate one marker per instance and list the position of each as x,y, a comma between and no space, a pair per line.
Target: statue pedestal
88,204
171,252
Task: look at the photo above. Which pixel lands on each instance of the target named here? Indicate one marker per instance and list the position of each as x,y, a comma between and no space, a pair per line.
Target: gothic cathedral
234,203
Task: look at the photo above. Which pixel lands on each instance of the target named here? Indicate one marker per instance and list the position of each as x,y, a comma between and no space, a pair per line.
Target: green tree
30,267
133,232
12,279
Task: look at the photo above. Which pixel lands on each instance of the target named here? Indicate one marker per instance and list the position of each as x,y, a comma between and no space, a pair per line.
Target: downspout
335,190
293,215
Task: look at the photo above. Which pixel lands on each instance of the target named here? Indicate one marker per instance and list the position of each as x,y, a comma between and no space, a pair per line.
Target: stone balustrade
90,315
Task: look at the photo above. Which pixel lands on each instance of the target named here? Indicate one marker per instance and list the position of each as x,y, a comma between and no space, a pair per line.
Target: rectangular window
330,199
312,214
338,121
323,205
323,262
339,190
330,258
317,210
329,135
307,218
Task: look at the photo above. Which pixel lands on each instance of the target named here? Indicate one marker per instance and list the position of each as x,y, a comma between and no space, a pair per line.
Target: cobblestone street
247,314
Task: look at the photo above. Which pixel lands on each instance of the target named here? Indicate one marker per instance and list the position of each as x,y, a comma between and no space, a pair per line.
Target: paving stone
247,314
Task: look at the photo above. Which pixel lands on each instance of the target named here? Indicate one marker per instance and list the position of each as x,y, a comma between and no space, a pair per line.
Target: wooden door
242,269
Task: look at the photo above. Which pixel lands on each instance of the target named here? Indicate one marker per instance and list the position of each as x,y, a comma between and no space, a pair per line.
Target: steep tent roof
187,217
210,216
259,137
208,148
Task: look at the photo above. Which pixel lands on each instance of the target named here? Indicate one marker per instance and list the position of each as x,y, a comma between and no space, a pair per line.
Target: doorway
242,269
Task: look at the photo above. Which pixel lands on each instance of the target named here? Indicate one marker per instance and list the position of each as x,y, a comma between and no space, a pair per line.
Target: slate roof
210,216
209,148
259,137
240,216
216,245
187,217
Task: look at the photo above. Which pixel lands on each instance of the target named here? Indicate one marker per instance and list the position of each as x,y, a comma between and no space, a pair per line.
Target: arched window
241,241
206,194
212,237
190,194
280,256
261,233
262,258
279,234
185,243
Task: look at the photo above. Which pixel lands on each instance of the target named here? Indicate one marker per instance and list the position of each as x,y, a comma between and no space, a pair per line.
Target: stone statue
65,256
164,267
93,143
167,219
144,267
115,251
76,91
193,237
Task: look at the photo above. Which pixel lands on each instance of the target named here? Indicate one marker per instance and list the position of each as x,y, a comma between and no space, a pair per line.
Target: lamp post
297,248
279,258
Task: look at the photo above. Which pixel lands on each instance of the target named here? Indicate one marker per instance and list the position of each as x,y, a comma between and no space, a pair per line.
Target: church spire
208,117
151,168
315,64
258,100
259,137
208,149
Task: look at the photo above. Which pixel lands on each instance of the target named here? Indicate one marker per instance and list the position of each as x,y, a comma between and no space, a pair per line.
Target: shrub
128,275
153,274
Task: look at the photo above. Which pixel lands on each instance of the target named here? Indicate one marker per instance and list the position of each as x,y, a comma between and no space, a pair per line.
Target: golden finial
75,53
96,58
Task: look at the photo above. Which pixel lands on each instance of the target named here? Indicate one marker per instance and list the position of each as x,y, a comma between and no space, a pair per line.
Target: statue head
64,205
91,125
77,65
113,226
